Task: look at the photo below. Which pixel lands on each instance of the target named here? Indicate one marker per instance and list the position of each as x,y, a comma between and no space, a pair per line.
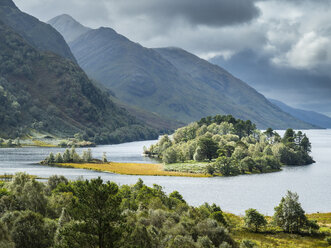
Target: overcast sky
290,33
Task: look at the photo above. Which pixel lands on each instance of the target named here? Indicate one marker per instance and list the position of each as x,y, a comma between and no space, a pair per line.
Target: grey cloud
215,13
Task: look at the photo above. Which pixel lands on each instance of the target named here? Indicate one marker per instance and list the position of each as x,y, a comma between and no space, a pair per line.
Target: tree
169,156
51,158
177,196
29,231
55,180
87,156
254,220
58,158
98,206
269,132
208,147
225,166
66,156
289,214
104,158
289,136
305,144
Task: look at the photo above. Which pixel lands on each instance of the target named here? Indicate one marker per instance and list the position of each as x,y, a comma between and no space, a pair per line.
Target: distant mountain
38,34
68,27
172,82
311,117
44,92
301,86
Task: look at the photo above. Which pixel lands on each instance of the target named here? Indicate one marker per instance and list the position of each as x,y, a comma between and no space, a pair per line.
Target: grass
187,167
40,143
271,237
131,169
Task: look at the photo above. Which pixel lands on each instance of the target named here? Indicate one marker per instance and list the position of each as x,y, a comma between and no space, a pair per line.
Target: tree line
94,213
71,156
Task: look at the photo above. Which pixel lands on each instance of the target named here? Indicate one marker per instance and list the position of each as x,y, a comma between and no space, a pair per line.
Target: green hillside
42,91
172,82
38,34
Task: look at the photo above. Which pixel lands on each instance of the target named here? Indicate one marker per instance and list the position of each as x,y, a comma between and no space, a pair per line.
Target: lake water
233,194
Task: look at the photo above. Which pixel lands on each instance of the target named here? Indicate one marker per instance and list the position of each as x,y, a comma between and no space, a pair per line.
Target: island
225,146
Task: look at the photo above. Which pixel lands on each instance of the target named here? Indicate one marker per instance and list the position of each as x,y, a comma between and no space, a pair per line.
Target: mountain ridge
151,80
40,35
308,116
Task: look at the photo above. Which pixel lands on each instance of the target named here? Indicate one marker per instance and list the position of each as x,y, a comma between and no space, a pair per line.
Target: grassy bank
131,169
271,236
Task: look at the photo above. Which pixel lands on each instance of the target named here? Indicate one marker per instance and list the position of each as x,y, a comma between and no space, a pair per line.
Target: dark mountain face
68,27
172,82
44,92
312,117
38,34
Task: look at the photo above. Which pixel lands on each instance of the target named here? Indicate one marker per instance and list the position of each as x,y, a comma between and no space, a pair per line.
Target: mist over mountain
171,82
311,117
68,27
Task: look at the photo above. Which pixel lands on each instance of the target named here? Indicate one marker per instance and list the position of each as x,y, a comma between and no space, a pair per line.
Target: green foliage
289,214
94,213
328,240
31,230
254,220
71,156
233,146
246,243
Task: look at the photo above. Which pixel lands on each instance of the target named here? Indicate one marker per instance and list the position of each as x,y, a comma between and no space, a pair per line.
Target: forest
223,145
94,213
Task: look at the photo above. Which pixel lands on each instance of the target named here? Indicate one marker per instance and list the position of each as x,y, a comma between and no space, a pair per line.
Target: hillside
38,34
172,82
68,27
312,117
44,92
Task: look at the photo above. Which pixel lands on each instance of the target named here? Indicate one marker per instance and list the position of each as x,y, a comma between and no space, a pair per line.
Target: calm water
234,194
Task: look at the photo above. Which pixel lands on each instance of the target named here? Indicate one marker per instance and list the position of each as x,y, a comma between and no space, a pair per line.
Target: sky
291,36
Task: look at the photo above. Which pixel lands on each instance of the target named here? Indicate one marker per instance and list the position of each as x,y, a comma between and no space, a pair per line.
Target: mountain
311,117
305,88
44,92
38,34
172,82
68,27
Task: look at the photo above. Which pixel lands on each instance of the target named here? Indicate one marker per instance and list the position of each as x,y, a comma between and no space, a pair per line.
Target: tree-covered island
223,145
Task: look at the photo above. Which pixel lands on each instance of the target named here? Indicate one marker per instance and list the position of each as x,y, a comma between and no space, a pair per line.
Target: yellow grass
42,144
131,169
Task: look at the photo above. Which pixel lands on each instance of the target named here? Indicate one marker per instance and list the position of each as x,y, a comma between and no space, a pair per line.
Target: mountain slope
68,27
231,95
171,82
44,92
304,115
307,88
38,34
